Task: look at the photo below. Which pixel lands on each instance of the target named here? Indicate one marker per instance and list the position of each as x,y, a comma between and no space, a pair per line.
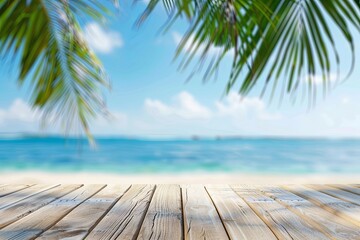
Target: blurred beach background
163,127
220,160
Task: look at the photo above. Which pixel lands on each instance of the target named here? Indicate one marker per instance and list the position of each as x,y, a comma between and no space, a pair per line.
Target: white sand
187,178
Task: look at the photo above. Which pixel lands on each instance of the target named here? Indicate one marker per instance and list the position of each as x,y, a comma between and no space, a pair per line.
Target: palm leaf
294,32
66,77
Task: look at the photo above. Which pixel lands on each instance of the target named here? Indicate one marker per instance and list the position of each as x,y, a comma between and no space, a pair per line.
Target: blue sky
150,98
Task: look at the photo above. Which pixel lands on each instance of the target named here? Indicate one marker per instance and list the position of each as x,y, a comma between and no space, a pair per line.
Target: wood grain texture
11,188
284,223
36,223
333,226
163,219
346,210
173,212
337,193
23,208
239,219
201,220
77,224
123,221
348,188
25,193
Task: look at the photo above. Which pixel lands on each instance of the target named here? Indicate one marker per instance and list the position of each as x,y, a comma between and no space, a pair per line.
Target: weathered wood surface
201,220
123,221
338,193
352,189
34,224
8,189
19,210
163,219
284,223
239,219
339,207
334,227
18,196
179,212
77,224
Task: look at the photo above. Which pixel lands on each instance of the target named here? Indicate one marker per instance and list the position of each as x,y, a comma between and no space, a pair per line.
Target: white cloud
101,40
19,117
232,107
241,108
318,79
232,115
18,111
249,116
190,46
345,100
185,106
185,115
116,123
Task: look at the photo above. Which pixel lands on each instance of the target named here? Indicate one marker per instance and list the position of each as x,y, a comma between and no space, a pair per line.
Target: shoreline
174,178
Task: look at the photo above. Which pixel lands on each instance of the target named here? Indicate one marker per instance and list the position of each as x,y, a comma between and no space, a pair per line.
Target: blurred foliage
65,75
283,41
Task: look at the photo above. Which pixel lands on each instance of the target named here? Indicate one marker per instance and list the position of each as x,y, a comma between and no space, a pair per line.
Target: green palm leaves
66,77
274,42
284,42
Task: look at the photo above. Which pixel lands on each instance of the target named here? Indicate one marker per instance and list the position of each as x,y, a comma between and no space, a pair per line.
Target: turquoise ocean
123,155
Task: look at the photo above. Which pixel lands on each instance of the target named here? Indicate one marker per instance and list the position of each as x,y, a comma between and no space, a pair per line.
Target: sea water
121,155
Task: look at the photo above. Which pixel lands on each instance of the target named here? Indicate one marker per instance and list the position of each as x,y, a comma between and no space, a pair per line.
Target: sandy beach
186,178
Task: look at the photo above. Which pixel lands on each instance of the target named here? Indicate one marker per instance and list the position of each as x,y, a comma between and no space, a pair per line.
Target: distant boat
195,137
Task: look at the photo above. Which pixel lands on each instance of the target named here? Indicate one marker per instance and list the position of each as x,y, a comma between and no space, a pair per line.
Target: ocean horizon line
164,137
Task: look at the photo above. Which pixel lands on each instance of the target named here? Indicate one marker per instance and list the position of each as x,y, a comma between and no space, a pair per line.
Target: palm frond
66,77
296,33
302,44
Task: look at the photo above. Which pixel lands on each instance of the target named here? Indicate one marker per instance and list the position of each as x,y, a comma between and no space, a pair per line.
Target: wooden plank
78,223
284,223
19,210
239,219
123,221
337,193
8,189
201,220
333,226
18,196
348,188
163,219
36,223
346,210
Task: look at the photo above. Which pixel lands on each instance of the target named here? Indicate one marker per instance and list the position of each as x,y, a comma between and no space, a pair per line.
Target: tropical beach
181,161
179,119
35,177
